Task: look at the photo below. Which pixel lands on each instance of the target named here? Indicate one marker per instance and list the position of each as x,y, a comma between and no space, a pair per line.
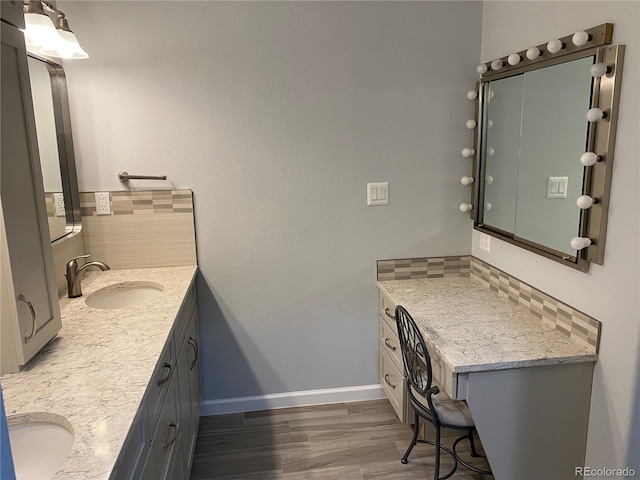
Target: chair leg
436,473
472,443
416,430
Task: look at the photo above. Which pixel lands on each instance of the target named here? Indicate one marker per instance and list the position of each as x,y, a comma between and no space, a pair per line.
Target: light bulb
497,64
598,70
468,152
580,38
554,46
465,207
467,180
490,123
578,243
39,30
589,159
487,206
490,152
595,114
481,69
471,124
533,53
584,202
514,59
472,94
488,180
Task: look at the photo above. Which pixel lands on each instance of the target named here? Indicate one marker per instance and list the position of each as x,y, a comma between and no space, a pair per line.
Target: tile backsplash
141,202
427,267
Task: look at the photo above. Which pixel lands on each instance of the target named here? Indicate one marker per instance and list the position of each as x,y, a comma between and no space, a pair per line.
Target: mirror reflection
536,130
48,91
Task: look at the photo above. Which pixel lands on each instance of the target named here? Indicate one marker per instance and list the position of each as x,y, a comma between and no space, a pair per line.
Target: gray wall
277,115
608,292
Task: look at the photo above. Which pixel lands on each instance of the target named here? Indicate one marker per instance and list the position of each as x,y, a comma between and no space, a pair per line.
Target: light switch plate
58,204
485,242
378,193
103,205
557,187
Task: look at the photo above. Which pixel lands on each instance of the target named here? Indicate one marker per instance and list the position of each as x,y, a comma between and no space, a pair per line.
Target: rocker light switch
557,187
378,193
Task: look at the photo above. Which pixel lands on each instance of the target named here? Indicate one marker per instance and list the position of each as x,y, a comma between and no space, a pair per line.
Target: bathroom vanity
126,379
527,383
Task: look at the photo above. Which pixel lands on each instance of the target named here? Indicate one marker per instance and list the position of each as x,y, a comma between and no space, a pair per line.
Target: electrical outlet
485,242
58,204
103,205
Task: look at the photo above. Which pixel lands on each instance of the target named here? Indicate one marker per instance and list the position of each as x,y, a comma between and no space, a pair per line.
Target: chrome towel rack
124,176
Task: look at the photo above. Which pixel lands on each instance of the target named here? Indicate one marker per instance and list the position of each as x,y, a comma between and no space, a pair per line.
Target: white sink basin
40,444
123,295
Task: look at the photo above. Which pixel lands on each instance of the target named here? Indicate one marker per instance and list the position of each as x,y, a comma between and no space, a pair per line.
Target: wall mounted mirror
51,108
543,168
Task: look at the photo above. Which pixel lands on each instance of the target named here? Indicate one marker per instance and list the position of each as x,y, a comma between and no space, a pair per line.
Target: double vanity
123,376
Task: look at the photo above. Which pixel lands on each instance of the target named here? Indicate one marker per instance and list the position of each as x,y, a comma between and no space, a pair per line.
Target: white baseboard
291,399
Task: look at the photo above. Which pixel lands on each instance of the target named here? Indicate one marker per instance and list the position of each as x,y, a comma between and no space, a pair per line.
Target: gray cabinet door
23,204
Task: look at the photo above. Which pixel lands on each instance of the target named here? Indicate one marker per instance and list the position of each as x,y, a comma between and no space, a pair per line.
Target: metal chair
426,399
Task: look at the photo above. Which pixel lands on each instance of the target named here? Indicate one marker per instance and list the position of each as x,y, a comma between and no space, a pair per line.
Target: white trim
291,399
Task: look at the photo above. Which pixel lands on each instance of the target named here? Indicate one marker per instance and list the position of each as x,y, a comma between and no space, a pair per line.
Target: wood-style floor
342,441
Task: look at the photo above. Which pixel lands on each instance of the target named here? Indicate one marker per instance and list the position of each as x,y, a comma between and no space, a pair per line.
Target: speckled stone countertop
473,329
95,372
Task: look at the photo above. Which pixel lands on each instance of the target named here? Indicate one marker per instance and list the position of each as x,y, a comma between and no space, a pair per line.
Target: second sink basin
40,444
123,295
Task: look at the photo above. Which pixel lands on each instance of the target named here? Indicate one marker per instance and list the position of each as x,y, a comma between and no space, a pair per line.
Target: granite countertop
95,372
473,329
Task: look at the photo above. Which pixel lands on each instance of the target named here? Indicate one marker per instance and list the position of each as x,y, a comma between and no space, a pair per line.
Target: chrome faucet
74,274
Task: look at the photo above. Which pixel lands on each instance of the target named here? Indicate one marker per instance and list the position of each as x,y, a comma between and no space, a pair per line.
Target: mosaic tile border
427,267
578,326
144,202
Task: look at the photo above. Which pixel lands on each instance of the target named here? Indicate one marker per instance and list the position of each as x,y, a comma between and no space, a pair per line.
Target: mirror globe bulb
588,159
514,59
554,46
594,114
598,70
471,124
490,152
497,64
580,38
578,243
467,180
488,180
490,123
468,152
584,202
533,53
481,69
465,207
472,94
487,206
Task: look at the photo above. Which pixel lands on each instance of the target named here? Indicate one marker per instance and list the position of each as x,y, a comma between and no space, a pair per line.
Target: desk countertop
473,329
95,372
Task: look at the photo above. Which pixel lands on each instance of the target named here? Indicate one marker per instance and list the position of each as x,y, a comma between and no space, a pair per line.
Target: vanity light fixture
467,180
488,180
514,59
585,201
580,38
497,64
554,46
578,243
472,94
487,206
595,114
465,207
599,70
588,159
481,69
533,53
54,41
468,152
471,124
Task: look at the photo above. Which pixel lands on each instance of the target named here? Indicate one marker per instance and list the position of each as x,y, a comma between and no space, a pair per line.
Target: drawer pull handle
164,380
389,346
34,323
194,344
388,313
174,437
386,379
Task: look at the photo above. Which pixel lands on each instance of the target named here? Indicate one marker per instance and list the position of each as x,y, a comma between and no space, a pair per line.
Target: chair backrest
417,363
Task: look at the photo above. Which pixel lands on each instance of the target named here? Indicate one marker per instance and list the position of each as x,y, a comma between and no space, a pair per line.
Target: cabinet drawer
387,308
443,375
389,343
159,384
135,450
166,440
392,381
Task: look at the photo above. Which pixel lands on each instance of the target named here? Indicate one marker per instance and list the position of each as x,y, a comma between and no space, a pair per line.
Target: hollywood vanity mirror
543,154
53,127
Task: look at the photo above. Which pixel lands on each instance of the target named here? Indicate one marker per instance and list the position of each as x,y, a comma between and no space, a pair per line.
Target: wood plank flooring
342,441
